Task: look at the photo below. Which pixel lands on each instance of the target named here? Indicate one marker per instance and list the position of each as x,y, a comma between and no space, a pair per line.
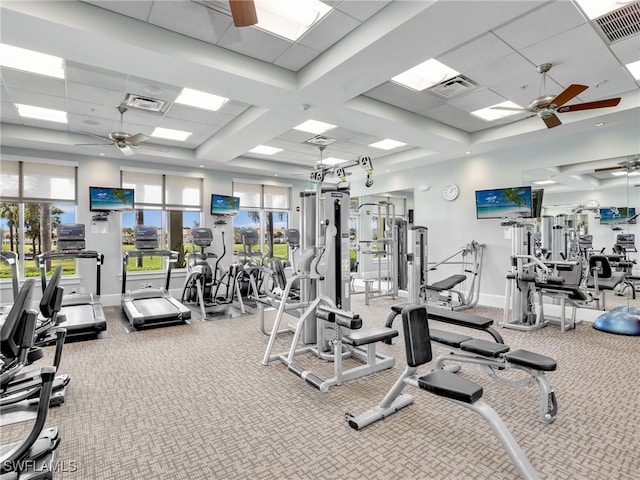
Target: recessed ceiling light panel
198,99
170,134
265,150
387,144
314,126
30,61
39,113
425,75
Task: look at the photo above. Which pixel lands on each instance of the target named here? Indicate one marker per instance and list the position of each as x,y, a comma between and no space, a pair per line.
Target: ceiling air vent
321,140
621,23
453,87
145,103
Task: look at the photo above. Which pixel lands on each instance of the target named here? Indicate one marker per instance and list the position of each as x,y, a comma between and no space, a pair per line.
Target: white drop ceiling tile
32,122
589,69
548,21
417,102
37,99
389,92
254,43
98,96
139,9
480,51
523,90
564,47
99,77
362,9
296,57
328,31
475,100
197,115
627,50
234,108
92,110
78,123
190,19
32,82
504,68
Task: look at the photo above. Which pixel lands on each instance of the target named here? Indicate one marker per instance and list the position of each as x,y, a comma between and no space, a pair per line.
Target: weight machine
385,251
326,325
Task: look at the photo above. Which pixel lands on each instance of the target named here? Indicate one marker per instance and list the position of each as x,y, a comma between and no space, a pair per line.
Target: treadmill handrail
42,258
173,258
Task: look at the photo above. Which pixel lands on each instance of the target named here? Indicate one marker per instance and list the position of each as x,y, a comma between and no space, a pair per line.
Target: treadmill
81,314
151,306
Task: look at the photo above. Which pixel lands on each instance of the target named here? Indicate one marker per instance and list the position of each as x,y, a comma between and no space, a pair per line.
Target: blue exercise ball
623,320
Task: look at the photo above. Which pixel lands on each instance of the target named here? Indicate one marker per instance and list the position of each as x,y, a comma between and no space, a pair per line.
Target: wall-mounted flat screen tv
224,205
110,199
617,215
504,202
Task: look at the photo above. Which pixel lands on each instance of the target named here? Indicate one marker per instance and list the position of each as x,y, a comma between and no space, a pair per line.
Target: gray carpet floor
193,402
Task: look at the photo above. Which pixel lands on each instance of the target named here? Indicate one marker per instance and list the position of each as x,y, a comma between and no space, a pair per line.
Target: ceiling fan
546,106
243,12
123,141
628,166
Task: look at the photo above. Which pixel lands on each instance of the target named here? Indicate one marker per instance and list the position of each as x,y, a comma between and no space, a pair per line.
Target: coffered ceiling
339,72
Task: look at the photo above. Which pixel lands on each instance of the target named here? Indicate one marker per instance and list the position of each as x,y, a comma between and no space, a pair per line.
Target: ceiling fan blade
106,139
610,169
552,121
609,102
126,150
92,144
243,12
137,138
569,92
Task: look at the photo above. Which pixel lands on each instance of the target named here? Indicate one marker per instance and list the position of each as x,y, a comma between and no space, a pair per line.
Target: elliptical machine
204,283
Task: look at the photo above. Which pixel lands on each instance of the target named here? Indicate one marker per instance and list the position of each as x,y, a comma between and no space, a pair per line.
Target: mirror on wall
600,202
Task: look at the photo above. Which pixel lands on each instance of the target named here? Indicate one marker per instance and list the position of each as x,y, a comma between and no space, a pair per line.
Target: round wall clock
450,192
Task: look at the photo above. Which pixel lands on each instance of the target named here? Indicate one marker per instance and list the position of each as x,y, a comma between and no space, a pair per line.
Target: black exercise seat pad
532,360
484,347
469,320
448,338
447,283
370,335
450,385
573,291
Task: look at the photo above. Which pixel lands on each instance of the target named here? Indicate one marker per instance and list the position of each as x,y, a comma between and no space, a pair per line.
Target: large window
265,209
34,199
171,203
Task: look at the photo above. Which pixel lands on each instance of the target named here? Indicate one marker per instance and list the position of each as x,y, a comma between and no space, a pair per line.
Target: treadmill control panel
146,237
71,236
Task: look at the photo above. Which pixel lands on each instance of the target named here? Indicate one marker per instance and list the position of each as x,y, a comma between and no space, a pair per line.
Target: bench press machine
492,356
441,383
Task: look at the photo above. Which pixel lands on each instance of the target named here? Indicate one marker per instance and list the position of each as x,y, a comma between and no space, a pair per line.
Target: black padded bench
442,383
370,335
468,320
447,283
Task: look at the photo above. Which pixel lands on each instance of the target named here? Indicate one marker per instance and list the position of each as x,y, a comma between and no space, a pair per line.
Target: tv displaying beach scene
512,202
